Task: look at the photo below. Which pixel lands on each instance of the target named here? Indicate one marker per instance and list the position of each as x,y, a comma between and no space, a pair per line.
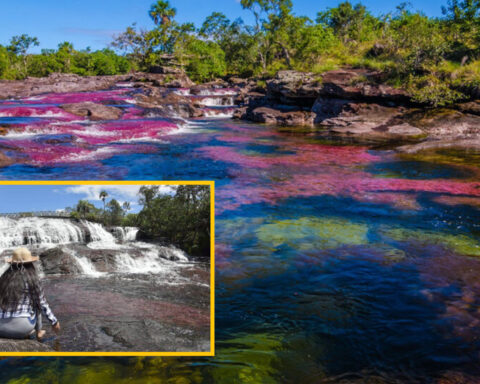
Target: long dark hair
15,282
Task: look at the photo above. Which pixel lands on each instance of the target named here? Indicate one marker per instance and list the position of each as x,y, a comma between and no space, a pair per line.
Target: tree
126,206
215,27
206,60
182,219
19,45
349,23
103,195
147,194
115,212
84,208
162,13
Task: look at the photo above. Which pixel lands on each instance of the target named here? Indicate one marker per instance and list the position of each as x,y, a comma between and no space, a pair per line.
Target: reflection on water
334,263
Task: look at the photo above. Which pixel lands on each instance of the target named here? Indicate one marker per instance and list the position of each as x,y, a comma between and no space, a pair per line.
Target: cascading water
34,231
79,239
125,234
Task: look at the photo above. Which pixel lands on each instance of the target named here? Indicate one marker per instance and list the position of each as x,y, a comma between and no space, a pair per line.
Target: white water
216,101
130,256
34,231
125,234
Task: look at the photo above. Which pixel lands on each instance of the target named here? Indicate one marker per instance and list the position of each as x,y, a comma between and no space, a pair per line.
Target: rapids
335,262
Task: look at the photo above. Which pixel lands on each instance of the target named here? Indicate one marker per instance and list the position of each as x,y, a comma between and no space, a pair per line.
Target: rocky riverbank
355,104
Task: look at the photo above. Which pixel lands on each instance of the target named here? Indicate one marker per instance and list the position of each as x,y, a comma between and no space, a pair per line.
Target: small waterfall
85,265
125,234
35,231
98,232
219,101
80,238
153,259
172,253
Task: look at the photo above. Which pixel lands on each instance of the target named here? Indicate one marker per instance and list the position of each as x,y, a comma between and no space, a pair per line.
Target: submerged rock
5,161
93,111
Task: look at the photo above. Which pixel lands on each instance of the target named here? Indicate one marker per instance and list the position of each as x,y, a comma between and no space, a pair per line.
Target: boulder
294,88
303,88
285,118
58,261
93,111
360,84
25,345
162,102
472,107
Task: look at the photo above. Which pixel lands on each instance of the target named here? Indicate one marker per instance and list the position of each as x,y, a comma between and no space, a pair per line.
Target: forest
435,59
182,219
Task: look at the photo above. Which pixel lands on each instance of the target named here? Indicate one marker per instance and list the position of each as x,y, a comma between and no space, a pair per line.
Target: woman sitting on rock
22,300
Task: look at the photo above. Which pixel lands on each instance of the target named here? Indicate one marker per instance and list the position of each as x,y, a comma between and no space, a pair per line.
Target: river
335,262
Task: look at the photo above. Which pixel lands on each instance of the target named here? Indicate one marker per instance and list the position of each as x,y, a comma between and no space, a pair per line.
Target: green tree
162,12
206,60
182,219
19,45
84,208
147,194
103,196
349,22
114,212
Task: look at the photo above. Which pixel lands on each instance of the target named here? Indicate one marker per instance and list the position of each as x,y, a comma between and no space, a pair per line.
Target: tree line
182,219
437,59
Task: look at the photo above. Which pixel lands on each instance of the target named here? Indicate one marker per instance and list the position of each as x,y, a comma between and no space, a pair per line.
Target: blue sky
28,198
93,22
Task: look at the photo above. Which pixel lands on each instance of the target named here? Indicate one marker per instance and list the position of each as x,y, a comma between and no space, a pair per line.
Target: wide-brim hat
21,256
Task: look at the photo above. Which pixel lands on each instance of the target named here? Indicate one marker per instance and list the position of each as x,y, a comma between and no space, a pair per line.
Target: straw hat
22,255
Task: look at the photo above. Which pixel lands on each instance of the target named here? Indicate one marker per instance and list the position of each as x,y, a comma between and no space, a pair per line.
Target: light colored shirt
25,308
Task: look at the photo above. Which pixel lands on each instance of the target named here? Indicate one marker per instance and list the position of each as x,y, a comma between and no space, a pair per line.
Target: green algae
248,358
460,243
449,156
308,233
139,370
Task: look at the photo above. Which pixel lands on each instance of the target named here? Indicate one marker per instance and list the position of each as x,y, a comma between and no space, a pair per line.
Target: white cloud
119,192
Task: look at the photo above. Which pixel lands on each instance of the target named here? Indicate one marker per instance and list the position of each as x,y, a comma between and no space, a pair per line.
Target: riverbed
335,262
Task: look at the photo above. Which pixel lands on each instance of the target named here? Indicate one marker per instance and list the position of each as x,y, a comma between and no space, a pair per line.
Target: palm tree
161,12
103,196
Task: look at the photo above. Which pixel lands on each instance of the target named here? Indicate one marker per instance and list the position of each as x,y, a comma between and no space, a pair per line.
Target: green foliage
206,60
182,219
350,23
19,45
430,90
437,58
114,213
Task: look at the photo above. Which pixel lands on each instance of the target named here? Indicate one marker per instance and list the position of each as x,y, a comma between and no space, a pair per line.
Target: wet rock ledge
27,345
357,104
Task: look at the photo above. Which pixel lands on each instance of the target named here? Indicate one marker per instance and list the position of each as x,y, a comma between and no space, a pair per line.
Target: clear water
335,263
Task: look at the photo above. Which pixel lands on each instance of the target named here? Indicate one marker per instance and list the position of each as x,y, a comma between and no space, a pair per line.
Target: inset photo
106,268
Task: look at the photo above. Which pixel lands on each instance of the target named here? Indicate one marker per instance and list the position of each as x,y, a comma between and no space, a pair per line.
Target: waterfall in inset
36,231
92,248
125,234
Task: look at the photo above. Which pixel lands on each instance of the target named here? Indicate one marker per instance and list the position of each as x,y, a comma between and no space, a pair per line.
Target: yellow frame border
212,266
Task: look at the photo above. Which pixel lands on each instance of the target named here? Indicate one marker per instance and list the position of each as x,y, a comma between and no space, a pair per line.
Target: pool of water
334,263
